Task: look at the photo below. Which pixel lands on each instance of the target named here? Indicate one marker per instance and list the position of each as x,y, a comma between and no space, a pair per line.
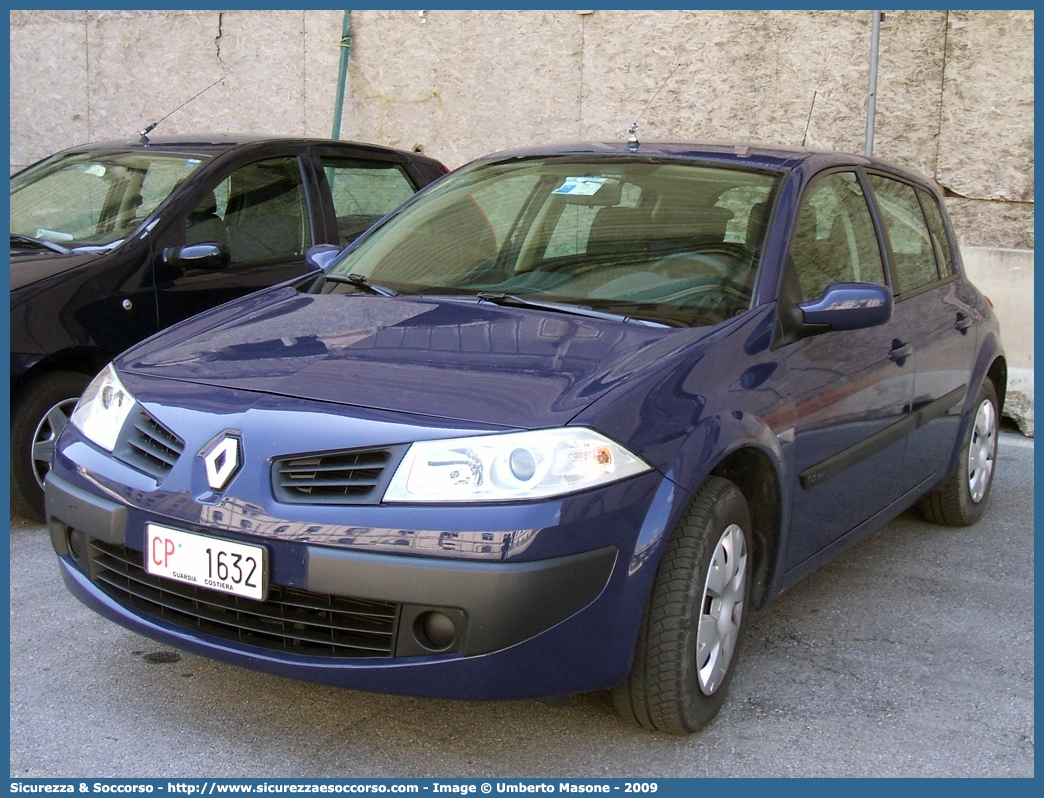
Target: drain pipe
342,73
871,106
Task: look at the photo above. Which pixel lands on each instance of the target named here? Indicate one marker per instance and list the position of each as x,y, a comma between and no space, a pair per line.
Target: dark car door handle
962,323
901,352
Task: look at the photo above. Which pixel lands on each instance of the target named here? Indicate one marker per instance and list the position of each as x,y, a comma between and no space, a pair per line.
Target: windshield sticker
581,186
95,169
192,162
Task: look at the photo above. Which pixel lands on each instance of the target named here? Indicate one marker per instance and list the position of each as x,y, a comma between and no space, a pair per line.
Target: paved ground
909,655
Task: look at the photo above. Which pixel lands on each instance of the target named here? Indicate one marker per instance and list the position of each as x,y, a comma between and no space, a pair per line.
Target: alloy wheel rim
982,451
721,609
47,432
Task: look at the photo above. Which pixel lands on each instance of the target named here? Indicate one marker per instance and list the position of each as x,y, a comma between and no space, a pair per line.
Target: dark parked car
554,426
111,242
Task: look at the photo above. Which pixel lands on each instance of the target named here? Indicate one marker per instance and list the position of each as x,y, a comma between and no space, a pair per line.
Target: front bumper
538,627
492,606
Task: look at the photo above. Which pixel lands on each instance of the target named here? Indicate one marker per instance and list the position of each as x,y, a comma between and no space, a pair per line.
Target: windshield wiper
557,307
360,282
39,243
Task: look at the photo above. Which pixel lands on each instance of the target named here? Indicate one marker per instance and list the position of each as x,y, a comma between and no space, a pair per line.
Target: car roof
217,143
766,156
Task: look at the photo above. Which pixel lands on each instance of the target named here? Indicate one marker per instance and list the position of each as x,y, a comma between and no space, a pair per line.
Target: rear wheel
693,623
961,500
38,417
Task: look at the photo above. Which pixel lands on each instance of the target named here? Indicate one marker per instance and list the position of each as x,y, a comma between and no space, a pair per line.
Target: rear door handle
901,352
963,323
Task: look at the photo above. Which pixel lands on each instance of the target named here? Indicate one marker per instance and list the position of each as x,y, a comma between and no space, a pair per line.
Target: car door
262,215
935,307
852,389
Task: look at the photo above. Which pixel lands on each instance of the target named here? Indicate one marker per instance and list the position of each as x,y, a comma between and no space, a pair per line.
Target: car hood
28,267
450,359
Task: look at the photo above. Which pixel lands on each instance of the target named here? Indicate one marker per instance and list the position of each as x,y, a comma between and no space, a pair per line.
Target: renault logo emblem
222,461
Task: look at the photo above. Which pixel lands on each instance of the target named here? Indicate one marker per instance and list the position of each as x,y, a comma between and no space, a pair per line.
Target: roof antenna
632,131
145,133
809,120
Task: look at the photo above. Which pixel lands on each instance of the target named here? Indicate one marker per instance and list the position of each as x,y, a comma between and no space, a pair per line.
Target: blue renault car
556,425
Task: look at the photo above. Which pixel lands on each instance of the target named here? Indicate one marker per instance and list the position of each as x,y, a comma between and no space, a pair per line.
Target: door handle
900,352
962,324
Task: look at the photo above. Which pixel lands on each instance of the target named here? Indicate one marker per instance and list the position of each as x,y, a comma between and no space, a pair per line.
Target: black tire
37,417
667,689
961,500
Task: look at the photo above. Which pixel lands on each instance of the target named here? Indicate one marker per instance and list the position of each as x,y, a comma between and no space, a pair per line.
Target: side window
363,192
258,211
835,241
912,251
937,227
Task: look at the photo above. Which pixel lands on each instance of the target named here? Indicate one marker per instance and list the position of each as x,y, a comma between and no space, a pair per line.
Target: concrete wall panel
142,68
322,53
1006,277
263,53
463,83
49,108
982,223
743,75
909,88
986,136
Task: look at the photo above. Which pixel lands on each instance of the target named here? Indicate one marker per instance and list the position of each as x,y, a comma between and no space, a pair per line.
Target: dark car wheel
693,623
961,500
37,418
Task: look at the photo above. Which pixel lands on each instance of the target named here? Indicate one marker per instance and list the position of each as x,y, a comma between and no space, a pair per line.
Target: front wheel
961,500
37,419
693,623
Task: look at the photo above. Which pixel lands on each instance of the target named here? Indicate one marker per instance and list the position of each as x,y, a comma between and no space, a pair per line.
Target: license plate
206,562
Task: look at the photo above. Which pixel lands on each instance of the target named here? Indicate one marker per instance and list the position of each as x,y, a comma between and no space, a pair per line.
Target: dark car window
259,211
834,240
363,192
912,253
94,199
937,227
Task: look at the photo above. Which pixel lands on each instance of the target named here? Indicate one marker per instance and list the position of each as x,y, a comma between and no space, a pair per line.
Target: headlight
511,467
103,408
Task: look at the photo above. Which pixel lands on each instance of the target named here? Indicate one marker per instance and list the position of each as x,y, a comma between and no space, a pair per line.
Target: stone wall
955,90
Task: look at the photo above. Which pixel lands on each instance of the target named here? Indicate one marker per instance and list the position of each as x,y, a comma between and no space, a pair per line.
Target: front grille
357,476
290,620
148,446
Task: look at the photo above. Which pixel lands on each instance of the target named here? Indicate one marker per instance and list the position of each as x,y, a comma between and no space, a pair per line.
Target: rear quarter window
937,227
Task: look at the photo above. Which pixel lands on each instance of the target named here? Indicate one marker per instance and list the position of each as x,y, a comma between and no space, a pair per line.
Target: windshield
93,199
669,241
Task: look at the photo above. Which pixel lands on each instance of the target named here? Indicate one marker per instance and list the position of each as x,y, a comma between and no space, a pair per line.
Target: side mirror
848,306
321,255
207,256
